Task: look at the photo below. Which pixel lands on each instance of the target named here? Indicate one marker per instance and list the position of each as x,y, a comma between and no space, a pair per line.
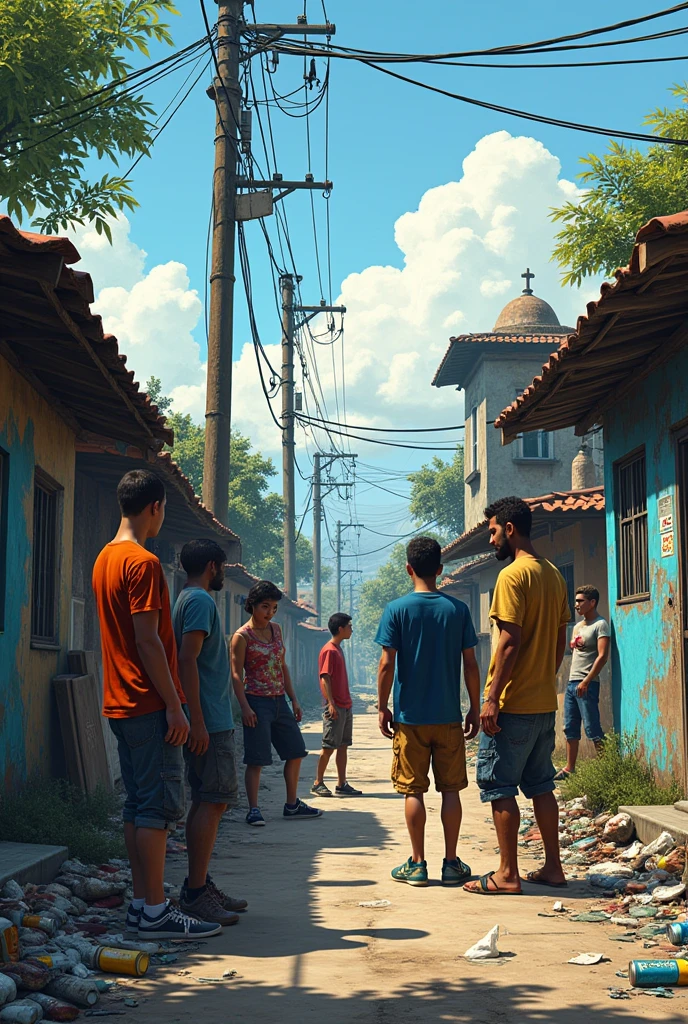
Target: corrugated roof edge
106,345
625,277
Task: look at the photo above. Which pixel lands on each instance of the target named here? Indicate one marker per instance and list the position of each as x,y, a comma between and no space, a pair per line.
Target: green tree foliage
255,512
624,189
437,495
390,581
54,54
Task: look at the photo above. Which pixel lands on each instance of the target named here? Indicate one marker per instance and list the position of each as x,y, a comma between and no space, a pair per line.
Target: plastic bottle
41,922
20,1013
55,1009
8,990
9,940
119,942
120,961
74,990
59,961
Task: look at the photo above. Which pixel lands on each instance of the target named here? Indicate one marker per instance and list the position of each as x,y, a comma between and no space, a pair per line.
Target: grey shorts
151,771
213,776
338,732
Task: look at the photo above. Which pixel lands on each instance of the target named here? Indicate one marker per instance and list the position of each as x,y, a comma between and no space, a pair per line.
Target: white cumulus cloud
461,255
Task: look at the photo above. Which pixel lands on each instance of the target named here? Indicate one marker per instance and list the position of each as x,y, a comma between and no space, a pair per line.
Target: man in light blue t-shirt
211,768
425,637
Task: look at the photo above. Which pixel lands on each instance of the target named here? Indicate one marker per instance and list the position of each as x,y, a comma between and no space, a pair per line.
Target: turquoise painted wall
647,671
19,445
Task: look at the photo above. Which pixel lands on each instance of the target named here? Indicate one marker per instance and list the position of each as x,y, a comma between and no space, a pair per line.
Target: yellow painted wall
33,435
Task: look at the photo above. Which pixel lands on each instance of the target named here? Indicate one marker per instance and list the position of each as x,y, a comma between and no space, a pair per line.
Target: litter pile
58,941
640,889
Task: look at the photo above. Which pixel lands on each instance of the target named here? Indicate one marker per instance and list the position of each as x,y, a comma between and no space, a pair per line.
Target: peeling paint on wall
31,434
647,660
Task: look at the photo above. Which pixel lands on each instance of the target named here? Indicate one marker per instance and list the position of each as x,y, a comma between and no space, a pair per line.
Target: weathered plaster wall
649,683
33,435
492,387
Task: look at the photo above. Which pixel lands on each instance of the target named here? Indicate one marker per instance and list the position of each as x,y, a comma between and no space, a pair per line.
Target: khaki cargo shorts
416,747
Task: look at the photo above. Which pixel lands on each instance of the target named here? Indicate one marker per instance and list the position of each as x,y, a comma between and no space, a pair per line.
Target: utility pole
318,517
288,445
226,93
218,408
287,286
338,550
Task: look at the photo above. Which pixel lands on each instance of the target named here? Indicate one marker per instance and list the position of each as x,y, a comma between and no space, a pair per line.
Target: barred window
46,517
631,510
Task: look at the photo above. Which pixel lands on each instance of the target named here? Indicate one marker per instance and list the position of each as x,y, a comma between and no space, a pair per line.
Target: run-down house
569,530
61,381
625,368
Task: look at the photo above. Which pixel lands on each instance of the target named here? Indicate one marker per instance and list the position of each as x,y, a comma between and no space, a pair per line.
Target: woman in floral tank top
262,683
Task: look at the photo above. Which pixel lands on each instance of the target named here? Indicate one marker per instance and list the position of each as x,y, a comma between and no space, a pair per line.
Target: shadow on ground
468,1000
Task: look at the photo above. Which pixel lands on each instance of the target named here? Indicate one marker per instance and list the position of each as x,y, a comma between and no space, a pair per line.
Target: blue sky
390,143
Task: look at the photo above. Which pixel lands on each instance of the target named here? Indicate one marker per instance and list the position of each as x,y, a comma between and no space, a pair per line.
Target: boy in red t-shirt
143,700
338,713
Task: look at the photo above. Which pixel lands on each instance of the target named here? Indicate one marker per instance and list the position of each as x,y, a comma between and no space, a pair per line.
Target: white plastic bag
486,948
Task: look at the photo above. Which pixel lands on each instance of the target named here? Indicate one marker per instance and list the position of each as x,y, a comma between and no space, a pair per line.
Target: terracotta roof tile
67,322
446,374
586,500
637,321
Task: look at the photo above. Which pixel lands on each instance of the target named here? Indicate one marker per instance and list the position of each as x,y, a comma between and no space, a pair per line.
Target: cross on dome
528,276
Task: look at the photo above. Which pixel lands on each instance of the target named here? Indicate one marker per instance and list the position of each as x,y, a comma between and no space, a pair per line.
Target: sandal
562,775
484,889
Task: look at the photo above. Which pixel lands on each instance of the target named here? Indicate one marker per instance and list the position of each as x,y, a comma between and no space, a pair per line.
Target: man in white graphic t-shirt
589,654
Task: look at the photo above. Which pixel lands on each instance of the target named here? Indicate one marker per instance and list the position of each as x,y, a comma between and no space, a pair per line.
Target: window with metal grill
631,510
46,516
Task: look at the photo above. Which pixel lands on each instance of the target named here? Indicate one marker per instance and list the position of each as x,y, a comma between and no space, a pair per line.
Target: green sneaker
415,873
455,872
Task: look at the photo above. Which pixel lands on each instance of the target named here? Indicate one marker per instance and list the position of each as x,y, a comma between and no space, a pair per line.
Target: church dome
528,315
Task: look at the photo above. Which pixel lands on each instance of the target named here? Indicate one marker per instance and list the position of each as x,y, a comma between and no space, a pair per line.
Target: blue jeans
583,709
519,756
151,771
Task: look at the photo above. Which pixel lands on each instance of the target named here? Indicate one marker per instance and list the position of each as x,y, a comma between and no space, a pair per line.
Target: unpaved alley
307,950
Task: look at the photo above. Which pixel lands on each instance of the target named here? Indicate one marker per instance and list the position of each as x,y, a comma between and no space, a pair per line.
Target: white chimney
582,470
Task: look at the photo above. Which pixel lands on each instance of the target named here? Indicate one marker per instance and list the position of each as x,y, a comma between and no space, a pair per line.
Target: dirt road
307,951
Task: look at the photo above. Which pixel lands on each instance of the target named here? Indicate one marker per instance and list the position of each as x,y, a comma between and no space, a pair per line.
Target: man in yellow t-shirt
530,610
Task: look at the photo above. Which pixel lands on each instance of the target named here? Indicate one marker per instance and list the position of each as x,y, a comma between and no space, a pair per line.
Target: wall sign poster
667,540
666,523
665,506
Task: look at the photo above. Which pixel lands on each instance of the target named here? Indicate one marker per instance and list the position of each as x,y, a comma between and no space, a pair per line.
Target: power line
539,118
397,430
389,444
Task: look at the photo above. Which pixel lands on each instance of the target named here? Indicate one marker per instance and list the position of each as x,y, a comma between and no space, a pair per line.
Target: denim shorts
151,771
582,709
276,727
520,756
212,776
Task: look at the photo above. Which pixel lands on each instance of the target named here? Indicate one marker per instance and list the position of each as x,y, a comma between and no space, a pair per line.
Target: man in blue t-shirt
425,637
211,767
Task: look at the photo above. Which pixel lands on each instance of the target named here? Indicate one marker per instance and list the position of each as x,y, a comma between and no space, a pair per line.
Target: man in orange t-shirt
143,700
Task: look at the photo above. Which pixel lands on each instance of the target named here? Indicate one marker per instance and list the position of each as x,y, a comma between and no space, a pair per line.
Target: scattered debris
375,903
587,959
619,829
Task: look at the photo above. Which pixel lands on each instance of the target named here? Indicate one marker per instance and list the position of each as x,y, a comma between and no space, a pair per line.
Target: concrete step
30,862
682,805
650,821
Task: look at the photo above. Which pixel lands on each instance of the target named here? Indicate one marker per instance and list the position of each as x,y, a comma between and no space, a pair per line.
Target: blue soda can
677,932
655,973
